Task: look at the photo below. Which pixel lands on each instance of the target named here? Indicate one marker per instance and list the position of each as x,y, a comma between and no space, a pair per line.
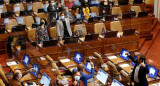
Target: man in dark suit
140,70
52,10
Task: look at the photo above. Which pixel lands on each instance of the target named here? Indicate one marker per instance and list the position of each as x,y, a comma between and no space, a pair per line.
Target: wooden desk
128,68
18,66
116,60
29,77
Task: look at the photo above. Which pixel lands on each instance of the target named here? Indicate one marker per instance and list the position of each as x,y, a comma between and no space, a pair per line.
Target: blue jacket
85,77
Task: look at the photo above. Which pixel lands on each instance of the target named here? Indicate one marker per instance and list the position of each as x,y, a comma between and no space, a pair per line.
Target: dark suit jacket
142,73
52,12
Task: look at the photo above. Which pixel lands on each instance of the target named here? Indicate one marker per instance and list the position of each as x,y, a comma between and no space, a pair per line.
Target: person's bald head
17,74
80,67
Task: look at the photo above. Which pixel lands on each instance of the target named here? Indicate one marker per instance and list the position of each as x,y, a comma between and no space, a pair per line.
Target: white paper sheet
112,57
42,58
65,60
124,65
11,63
1,6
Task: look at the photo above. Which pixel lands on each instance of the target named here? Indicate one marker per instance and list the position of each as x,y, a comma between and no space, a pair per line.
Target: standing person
63,26
84,77
69,4
42,32
140,70
53,12
104,8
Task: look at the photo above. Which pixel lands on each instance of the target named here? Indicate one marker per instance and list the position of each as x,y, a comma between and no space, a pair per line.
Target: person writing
139,71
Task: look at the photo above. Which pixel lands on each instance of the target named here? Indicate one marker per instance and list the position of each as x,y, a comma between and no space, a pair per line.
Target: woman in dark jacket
42,32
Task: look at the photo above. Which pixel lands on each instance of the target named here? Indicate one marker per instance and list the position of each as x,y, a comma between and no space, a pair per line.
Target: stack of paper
65,60
112,57
124,65
11,63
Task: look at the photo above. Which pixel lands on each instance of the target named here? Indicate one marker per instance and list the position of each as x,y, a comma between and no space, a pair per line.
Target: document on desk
65,60
42,58
154,85
112,57
12,63
124,65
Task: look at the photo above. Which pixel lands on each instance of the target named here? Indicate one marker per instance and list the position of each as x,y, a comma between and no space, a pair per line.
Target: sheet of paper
11,63
42,58
92,57
65,60
112,57
124,65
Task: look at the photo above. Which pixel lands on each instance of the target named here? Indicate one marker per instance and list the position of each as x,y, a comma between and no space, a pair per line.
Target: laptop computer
2,30
102,76
50,43
40,10
45,80
116,83
123,54
110,17
36,70
143,14
71,40
88,37
95,36
127,32
88,67
153,71
78,57
123,2
110,34
126,16
18,28
26,60
37,20
35,25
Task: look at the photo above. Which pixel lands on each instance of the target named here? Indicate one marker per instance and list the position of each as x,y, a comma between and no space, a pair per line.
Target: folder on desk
18,28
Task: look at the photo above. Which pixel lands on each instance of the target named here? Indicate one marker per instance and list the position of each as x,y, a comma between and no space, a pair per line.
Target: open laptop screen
78,57
116,83
102,76
45,80
153,72
123,54
35,70
26,60
88,67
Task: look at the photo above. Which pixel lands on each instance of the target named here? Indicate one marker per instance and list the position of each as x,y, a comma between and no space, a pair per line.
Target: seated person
15,81
104,8
42,32
63,26
84,77
76,79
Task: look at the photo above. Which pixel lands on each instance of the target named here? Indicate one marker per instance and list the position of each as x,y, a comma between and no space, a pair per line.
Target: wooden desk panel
72,48
92,46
